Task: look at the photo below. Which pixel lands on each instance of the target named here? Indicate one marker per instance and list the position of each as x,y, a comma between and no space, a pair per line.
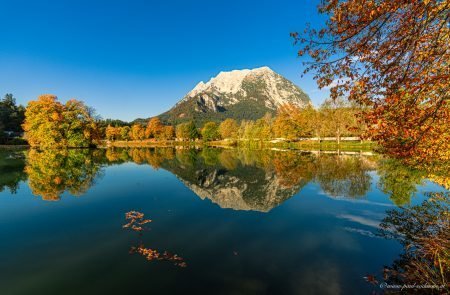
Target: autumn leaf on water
371,279
152,254
136,222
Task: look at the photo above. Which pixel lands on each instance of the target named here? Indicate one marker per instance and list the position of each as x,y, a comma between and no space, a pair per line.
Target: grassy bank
332,145
148,143
15,146
301,145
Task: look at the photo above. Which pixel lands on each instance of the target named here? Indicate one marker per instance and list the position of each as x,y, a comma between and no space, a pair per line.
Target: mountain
238,94
228,181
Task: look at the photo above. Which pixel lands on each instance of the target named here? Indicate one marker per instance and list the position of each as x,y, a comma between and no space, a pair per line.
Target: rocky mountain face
239,94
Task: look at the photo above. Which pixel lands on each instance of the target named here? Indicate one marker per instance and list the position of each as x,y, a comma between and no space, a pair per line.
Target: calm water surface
245,222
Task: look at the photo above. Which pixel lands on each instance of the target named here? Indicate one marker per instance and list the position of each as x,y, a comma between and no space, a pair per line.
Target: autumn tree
137,132
52,172
125,132
111,133
283,125
392,57
293,122
50,124
228,128
338,117
168,133
210,131
154,128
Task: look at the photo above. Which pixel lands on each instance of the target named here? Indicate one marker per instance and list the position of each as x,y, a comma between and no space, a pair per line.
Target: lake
239,221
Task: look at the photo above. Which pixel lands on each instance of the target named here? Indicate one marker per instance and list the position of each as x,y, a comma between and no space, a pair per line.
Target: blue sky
131,59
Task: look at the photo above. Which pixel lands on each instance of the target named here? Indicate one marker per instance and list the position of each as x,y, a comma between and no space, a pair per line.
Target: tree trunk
338,136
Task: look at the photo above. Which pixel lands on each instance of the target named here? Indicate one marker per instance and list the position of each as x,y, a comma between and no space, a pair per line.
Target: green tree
210,131
78,124
399,181
187,131
2,132
343,175
246,130
125,132
11,115
12,165
262,129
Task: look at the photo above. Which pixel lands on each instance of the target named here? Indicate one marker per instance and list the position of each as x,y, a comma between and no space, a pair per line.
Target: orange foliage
136,222
392,57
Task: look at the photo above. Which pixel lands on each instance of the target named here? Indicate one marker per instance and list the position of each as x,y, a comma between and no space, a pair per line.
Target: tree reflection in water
52,172
424,232
398,181
261,180
12,172
233,178
346,176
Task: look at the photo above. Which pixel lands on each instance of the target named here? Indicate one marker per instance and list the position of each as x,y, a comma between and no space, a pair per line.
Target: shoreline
300,146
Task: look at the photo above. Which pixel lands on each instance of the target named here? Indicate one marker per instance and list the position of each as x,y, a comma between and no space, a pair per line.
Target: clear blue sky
132,59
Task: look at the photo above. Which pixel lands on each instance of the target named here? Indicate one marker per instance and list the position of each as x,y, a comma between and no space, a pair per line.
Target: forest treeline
11,118
335,118
48,123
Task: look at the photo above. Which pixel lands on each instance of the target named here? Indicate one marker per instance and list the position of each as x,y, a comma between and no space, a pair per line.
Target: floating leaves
151,254
137,223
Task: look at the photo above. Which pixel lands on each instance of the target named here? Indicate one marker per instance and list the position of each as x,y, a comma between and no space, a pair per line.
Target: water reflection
424,232
12,172
256,180
398,181
322,245
52,172
231,178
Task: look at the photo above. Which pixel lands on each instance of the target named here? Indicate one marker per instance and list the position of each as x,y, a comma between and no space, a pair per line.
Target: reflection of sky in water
310,243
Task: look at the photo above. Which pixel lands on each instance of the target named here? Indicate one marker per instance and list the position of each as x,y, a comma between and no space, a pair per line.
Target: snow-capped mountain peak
240,94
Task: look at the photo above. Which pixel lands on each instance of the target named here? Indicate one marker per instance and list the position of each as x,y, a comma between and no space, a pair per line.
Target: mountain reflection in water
323,237
240,179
